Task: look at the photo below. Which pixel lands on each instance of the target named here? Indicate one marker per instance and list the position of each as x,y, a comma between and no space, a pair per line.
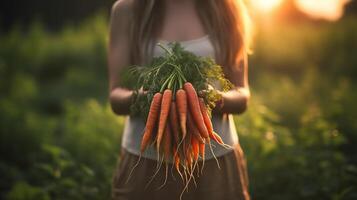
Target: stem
179,71
166,49
198,70
180,82
165,83
171,80
174,90
159,67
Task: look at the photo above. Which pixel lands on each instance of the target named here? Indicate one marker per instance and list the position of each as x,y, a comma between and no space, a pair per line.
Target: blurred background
60,140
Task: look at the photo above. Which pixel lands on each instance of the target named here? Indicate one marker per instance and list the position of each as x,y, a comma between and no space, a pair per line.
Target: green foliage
304,161
56,140
295,133
24,191
59,138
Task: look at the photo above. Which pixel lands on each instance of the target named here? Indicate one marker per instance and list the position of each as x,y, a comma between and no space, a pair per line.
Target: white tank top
222,124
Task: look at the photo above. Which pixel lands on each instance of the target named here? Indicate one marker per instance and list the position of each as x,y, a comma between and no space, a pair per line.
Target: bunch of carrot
178,120
183,126
179,125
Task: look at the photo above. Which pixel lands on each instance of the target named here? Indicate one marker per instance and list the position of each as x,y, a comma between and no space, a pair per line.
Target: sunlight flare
266,5
325,9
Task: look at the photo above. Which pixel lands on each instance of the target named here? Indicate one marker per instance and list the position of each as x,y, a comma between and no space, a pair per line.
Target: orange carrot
174,122
193,128
176,158
207,120
202,150
217,138
205,116
167,142
188,150
151,120
202,154
189,157
181,102
165,109
195,148
195,109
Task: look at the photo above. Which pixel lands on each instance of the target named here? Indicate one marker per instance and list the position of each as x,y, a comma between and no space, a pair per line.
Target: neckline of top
185,41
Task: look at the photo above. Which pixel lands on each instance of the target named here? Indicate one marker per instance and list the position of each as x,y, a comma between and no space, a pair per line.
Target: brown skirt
228,182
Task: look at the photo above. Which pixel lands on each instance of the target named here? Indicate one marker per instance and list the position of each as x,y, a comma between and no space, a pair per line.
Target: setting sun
326,9
265,5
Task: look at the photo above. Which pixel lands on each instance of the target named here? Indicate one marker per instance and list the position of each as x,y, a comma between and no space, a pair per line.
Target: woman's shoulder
122,8
121,17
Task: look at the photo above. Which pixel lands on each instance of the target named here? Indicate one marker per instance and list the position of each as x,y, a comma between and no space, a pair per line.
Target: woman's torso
222,124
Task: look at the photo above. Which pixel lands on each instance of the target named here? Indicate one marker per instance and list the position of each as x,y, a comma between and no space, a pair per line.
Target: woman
219,29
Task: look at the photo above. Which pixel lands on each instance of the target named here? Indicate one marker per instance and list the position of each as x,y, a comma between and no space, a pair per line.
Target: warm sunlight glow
326,9
266,5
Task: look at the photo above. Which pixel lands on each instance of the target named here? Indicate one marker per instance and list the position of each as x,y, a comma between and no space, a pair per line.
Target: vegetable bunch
177,118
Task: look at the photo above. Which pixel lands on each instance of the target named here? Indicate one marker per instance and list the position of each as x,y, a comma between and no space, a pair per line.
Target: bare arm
118,56
235,101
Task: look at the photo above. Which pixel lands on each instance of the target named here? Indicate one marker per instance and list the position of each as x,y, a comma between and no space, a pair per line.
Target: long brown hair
226,21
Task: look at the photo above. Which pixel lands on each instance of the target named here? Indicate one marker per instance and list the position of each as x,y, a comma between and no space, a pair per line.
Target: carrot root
157,171
181,104
132,170
214,156
164,113
193,103
166,174
151,120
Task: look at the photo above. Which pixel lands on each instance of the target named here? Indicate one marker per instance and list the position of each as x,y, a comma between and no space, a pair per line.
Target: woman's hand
121,99
234,101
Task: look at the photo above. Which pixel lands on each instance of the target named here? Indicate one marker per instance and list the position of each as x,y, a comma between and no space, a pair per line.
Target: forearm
233,101
120,100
